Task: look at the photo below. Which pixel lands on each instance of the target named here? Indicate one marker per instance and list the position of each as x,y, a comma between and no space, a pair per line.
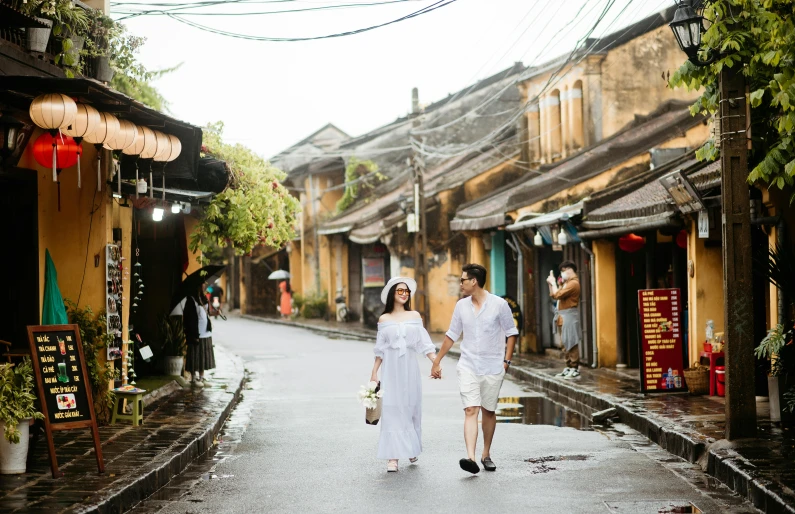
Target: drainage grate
654,507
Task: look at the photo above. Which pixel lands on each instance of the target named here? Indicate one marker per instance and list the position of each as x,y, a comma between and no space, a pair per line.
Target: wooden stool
130,394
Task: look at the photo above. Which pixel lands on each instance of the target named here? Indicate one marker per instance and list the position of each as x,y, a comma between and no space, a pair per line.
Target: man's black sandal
488,464
469,465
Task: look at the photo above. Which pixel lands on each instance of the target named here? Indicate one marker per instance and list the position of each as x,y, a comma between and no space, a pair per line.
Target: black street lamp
10,129
735,204
687,27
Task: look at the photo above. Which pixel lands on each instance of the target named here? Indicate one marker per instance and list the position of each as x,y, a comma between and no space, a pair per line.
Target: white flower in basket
370,397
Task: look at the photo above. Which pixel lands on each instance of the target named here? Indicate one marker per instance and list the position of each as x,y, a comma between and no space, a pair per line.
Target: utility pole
737,273
420,237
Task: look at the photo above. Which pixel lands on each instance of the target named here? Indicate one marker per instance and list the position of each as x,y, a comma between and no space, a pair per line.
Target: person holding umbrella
199,336
190,302
285,293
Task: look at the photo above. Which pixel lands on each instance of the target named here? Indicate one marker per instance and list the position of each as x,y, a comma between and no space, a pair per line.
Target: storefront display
115,275
662,362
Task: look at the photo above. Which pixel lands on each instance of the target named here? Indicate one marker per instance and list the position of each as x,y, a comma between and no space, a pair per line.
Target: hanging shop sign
63,385
373,272
662,358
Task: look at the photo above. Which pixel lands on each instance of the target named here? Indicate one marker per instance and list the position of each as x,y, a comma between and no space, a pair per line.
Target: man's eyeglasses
402,291
465,279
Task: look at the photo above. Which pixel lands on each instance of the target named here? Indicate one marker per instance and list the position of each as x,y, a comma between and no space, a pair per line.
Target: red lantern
60,152
66,150
681,239
631,243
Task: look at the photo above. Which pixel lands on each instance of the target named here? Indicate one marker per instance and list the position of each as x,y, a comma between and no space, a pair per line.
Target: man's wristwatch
507,362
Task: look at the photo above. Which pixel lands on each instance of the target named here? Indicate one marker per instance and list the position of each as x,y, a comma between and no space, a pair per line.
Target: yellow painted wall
296,268
477,253
605,273
631,81
193,262
445,292
705,290
483,183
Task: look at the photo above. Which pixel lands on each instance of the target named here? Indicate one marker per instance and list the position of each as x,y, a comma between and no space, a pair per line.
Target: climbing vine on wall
358,174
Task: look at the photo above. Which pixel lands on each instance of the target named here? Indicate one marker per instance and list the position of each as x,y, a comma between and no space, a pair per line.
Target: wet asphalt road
297,442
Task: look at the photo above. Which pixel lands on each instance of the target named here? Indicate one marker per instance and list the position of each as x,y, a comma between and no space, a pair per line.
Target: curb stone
171,463
724,464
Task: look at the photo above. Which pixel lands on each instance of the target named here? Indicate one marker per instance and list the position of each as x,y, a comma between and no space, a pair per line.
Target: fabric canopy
53,311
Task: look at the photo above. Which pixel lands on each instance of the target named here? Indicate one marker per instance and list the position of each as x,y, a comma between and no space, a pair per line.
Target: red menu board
662,362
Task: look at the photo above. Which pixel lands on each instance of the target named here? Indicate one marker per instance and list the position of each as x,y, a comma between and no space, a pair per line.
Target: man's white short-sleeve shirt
483,347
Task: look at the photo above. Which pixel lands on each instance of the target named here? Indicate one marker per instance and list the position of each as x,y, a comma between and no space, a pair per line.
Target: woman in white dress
400,336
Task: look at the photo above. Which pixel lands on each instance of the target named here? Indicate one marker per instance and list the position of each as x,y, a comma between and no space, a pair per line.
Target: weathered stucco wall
705,290
605,273
632,78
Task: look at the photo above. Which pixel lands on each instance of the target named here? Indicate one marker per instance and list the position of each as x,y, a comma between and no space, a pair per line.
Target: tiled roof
671,119
652,199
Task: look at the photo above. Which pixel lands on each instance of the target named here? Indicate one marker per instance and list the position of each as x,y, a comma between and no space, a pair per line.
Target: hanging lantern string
98,146
79,183
151,185
54,159
136,179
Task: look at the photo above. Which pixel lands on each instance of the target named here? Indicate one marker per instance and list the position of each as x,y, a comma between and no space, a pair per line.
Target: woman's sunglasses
402,291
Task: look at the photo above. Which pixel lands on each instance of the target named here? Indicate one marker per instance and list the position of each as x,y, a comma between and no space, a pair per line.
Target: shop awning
18,92
672,118
551,218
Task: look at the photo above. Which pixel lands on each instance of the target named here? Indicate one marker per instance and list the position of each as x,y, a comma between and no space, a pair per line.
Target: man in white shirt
485,320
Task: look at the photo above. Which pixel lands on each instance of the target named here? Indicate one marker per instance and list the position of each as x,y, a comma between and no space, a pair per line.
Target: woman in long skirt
400,337
199,338
285,299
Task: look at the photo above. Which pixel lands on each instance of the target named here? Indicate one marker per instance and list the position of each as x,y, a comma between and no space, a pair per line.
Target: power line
425,10
165,12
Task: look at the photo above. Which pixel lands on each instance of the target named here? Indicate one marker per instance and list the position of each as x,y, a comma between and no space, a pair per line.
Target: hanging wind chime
85,123
107,128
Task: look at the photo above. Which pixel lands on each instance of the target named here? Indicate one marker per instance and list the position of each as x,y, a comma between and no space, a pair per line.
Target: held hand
374,377
505,366
436,371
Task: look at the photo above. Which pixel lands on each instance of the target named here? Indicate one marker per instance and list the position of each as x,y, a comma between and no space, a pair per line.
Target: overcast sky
272,94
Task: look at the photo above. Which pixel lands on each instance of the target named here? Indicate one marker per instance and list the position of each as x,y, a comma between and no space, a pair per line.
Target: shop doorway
19,260
355,279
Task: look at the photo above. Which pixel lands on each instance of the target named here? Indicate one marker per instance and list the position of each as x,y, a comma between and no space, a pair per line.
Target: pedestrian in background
199,337
400,337
285,299
485,321
567,317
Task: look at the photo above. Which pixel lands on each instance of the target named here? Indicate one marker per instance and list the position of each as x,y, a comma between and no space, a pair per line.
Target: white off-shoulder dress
398,344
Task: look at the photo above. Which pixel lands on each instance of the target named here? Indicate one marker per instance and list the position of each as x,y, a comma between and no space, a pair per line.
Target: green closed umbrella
53,311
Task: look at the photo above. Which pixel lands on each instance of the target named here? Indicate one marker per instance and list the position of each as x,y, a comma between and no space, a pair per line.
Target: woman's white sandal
392,466
414,459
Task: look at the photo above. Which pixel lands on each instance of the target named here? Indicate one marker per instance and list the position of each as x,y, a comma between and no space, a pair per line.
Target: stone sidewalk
138,460
690,427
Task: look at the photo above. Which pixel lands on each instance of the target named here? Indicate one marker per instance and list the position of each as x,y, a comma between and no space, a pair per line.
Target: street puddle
541,464
539,410
654,507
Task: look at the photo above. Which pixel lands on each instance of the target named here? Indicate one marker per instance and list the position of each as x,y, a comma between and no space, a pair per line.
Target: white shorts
480,390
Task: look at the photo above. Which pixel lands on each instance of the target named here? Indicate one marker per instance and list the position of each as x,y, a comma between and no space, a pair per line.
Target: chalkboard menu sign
63,386
661,364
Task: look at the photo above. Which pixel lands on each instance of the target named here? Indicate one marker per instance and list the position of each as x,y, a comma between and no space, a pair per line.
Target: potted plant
42,10
173,344
71,26
102,31
17,409
778,266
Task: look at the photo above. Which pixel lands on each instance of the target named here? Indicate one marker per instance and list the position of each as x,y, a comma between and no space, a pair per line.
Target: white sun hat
397,280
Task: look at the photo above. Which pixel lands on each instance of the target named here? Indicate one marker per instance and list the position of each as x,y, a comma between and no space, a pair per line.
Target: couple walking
485,320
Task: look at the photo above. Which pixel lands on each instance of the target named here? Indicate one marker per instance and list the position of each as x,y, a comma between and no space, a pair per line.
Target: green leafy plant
95,339
256,209
358,174
17,397
756,37
770,348
312,306
172,336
